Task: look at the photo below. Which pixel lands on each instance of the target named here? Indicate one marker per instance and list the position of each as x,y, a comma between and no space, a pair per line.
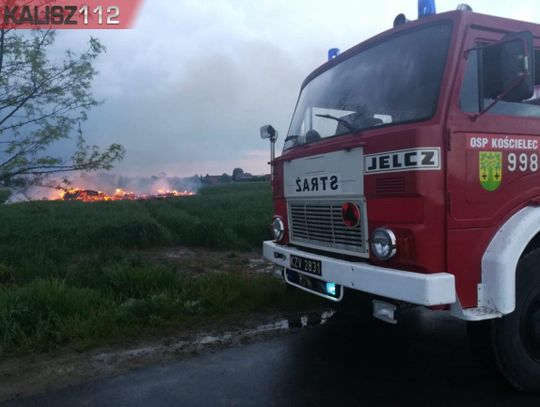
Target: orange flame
88,195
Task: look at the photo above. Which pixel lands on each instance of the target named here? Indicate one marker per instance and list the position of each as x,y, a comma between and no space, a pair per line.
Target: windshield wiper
348,125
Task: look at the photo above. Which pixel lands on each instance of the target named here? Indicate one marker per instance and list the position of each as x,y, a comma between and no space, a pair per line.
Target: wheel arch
519,235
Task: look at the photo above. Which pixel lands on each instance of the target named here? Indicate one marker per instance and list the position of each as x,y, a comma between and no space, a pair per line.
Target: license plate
306,265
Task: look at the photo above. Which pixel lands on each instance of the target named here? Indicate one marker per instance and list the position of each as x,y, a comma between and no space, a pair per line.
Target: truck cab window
470,93
392,82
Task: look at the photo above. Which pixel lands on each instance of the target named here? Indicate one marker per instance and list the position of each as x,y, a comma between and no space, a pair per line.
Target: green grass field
74,273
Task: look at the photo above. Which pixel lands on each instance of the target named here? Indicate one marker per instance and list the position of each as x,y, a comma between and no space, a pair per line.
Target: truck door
492,162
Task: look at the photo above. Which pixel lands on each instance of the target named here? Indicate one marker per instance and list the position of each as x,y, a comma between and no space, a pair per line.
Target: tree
237,172
44,100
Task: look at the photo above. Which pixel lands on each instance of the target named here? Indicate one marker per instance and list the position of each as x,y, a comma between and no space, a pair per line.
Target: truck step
478,314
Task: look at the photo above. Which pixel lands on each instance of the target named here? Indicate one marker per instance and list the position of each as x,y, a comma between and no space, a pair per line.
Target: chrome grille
319,224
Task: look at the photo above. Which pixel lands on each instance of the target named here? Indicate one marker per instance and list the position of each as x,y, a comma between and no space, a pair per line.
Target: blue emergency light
331,289
333,53
426,8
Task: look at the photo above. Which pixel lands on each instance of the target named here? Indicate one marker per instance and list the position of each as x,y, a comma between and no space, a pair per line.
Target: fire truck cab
410,172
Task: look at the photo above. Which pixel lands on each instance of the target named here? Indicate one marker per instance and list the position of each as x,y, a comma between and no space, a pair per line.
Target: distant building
212,179
244,177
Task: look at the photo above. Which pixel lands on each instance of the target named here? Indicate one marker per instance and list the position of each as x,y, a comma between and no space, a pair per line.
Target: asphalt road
423,361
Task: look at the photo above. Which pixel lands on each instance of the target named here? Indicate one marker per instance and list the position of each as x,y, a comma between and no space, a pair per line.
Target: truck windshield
396,81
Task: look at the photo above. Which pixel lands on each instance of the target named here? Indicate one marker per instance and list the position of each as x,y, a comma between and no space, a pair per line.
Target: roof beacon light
333,53
464,7
426,8
400,19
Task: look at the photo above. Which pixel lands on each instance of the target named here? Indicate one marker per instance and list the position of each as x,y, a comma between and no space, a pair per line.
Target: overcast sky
187,88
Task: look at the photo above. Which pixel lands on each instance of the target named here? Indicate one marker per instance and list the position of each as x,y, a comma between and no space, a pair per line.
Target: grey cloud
213,112
189,86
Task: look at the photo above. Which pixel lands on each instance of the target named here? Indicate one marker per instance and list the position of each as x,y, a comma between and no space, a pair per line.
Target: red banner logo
68,14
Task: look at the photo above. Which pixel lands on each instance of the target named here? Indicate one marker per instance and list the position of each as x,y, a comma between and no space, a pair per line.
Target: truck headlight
278,228
383,243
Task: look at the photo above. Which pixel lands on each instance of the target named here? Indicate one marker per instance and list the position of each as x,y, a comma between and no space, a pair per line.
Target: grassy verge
128,299
71,273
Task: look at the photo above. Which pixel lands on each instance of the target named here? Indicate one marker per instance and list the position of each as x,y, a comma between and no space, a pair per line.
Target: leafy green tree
237,172
44,97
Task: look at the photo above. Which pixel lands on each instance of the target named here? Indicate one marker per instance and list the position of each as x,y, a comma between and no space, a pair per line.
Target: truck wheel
516,337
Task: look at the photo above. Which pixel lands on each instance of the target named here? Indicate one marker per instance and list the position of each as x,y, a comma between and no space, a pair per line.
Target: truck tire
515,338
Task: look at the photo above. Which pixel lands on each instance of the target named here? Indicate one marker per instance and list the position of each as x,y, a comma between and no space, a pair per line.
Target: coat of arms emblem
490,170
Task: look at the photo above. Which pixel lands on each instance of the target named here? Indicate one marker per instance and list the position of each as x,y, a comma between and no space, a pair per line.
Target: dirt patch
203,260
38,373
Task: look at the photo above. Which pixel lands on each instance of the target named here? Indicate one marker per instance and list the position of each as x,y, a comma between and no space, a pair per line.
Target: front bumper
416,288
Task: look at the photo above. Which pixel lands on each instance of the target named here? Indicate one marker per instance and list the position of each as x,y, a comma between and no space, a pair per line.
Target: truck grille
319,224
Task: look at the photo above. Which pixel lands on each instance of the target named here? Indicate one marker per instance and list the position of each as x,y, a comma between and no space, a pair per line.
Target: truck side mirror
268,132
507,68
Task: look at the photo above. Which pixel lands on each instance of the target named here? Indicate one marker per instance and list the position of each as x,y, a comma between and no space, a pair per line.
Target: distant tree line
238,175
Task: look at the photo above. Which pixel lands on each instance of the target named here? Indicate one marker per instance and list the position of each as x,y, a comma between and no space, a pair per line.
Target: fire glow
88,195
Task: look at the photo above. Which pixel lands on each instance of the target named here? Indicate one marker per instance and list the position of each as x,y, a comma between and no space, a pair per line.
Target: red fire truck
410,173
